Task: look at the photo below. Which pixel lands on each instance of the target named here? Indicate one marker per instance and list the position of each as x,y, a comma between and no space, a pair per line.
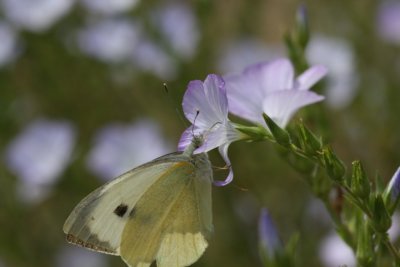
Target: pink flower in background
205,105
121,147
271,88
37,15
107,7
39,155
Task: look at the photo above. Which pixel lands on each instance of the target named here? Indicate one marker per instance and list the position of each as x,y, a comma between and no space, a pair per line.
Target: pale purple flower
394,185
338,56
8,44
107,7
72,256
110,40
335,252
178,25
205,105
389,21
121,147
39,155
271,88
37,15
236,55
269,239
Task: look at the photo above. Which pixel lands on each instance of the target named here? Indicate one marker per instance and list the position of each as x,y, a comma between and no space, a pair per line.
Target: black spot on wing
121,210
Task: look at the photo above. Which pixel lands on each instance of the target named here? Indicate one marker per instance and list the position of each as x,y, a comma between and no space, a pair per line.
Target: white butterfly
159,211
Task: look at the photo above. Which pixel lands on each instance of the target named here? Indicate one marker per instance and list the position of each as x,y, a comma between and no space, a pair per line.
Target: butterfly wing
173,220
97,222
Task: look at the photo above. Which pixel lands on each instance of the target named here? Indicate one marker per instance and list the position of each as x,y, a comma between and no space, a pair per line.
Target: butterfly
160,211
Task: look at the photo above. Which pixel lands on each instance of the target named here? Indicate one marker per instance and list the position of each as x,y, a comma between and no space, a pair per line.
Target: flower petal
394,184
223,150
206,104
281,105
310,77
244,99
272,75
214,88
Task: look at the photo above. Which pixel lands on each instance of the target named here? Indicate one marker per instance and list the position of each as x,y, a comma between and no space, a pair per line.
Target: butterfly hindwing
172,221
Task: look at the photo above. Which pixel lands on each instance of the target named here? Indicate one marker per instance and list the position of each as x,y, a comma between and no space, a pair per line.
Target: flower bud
381,218
281,136
334,166
359,183
310,143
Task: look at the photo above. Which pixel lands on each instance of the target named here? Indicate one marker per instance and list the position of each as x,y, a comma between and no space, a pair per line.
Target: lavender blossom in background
121,147
109,40
39,155
334,252
150,57
269,239
107,7
205,105
271,88
178,25
8,44
316,215
338,56
38,15
237,55
394,230
388,20
71,256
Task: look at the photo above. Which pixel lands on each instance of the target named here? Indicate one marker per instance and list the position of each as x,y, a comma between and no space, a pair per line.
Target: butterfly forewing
98,220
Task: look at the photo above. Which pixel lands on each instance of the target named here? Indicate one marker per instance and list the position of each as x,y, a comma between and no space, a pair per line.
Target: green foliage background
53,82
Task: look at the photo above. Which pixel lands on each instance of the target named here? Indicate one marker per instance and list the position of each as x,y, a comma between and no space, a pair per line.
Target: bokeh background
82,100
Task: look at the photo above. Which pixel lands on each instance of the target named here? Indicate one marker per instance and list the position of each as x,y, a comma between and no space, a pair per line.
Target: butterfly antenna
172,104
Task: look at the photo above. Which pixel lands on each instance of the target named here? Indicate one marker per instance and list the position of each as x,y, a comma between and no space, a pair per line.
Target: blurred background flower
39,155
105,7
236,55
120,147
73,256
8,44
334,252
338,56
109,40
99,66
388,18
36,15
